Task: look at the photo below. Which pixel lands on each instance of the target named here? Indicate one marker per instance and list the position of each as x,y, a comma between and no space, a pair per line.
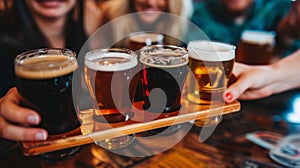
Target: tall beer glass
111,78
44,80
211,64
164,67
256,47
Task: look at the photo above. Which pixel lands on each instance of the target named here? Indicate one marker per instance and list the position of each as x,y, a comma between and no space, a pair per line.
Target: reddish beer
141,39
111,76
255,47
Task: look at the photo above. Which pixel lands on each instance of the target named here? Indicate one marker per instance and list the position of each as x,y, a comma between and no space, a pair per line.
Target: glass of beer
256,47
44,80
140,39
211,65
163,74
111,77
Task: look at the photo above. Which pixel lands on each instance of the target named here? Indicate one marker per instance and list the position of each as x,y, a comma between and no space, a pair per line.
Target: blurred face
149,9
50,9
237,6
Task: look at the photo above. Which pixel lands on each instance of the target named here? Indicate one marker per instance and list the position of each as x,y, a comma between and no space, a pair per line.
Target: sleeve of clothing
207,24
7,71
266,14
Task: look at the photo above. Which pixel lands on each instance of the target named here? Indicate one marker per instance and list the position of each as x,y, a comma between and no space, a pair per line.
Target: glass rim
44,51
173,60
28,64
106,50
230,46
211,50
97,54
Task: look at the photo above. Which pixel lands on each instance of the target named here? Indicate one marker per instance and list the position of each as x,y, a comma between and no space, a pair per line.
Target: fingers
235,90
19,133
11,114
239,68
255,94
11,110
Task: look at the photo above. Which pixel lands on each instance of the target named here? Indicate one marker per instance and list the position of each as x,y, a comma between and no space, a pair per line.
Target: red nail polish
228,96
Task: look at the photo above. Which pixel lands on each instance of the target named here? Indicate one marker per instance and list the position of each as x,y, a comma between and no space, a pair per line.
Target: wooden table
226,147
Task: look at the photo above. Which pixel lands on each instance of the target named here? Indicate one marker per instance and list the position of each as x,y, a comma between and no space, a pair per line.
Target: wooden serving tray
91,131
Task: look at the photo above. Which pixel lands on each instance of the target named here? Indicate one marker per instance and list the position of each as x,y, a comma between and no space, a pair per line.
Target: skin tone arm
14,119
255,82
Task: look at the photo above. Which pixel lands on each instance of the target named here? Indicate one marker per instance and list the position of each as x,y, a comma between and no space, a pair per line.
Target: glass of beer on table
211,65
256,47
163,73
44,80
111,77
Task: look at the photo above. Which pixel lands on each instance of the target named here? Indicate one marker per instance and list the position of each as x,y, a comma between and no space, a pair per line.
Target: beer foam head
258,37
163,56
146,37
211,51
104,60
45,66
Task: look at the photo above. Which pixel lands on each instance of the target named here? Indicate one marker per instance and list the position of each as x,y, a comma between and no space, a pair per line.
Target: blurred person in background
289,29
256,82
225,20
149,17
32,24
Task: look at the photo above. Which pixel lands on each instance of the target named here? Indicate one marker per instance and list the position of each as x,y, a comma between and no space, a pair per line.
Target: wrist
284,74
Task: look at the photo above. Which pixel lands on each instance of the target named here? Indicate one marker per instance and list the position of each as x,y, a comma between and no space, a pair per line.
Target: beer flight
112,76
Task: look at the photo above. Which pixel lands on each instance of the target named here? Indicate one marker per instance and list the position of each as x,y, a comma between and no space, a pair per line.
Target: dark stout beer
44,79
164,67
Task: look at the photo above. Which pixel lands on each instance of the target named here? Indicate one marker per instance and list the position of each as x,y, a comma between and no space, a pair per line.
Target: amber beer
111,78
44,79
141,39
163,67
211,64
255,47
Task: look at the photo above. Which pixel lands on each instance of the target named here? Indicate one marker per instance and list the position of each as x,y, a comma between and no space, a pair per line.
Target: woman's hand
15,120
253,82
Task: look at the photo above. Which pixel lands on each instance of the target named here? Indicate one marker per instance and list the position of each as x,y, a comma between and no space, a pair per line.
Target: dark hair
22,26
19,32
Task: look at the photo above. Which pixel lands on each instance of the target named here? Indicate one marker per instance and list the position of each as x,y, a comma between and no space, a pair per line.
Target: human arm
255,82
14,119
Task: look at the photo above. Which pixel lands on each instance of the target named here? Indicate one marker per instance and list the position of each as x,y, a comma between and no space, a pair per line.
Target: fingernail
228,97
41,136
33,119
